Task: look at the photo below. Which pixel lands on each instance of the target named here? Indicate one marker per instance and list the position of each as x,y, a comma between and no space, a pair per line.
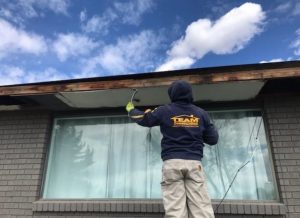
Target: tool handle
133,94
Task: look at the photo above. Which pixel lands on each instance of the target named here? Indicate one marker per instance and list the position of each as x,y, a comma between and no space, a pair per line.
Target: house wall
283,121
24,137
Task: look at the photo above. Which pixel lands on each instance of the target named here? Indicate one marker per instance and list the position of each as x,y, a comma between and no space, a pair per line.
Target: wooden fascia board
210,78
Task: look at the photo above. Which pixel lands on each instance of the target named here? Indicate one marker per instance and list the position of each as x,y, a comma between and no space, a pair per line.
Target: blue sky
45,40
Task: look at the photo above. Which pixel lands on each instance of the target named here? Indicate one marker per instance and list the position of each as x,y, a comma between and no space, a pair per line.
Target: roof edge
191,71
194,76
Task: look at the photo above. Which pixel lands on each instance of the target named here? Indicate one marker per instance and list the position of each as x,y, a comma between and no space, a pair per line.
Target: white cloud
127,55
57,6
49,74
290,8
99,24
83,15
125,12
72,45
284,7
273,60
14,40
20,10
15,75
131,12
4,12
227,35
296,43
296,10
11,75
177,63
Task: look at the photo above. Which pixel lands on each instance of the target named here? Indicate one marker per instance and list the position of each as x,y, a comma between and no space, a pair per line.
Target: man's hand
129,106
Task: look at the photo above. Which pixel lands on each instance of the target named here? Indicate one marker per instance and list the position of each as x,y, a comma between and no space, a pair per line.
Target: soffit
229,91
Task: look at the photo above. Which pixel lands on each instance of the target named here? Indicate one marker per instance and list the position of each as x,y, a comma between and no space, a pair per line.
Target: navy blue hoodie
184,126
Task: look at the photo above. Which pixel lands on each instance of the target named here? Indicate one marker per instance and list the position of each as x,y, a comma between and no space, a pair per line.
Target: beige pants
184,190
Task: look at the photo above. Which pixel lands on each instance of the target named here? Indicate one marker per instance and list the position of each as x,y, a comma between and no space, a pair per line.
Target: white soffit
229,91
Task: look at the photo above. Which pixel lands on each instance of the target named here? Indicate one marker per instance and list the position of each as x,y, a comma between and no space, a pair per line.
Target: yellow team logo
185,121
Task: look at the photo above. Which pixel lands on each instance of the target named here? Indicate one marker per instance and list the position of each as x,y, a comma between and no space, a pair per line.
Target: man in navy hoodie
185,128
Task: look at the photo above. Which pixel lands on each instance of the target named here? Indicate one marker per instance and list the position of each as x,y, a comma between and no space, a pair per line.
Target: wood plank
208,78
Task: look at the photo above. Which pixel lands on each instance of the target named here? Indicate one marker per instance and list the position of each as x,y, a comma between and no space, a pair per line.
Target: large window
242,139
110,157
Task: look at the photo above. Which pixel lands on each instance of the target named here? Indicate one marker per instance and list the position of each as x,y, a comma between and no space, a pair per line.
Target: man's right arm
146,118
210,134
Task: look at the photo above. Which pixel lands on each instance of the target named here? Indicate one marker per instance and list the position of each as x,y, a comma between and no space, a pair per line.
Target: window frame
270,152
152,205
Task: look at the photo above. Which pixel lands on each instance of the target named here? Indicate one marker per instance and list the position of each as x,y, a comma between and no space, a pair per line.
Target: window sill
152,206
126,206
250,208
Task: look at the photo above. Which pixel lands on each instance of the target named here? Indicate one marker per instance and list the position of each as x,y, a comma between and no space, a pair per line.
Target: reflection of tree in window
77,156
128,163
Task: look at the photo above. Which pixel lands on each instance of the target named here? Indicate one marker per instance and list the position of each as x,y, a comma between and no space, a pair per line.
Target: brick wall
22,152
23,142
283,119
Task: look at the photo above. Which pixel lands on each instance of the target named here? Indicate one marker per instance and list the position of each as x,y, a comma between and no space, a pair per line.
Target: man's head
180,91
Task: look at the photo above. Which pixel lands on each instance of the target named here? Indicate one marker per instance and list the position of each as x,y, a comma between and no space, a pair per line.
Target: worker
185,128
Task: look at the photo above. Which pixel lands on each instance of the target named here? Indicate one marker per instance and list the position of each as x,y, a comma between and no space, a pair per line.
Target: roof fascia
153,80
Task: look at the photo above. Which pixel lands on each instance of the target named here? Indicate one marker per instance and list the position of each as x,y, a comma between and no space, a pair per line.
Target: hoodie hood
180,91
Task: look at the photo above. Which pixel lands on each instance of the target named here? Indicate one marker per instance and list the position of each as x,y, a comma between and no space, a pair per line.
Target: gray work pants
184,190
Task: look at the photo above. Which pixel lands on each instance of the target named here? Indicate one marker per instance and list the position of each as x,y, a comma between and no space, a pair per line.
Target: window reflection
242,135
110,157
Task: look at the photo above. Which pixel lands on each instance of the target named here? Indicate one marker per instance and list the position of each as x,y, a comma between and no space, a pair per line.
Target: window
103,157
110,157
242,138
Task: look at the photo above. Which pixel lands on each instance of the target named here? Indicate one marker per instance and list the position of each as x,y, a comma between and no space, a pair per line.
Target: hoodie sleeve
146,118
210,134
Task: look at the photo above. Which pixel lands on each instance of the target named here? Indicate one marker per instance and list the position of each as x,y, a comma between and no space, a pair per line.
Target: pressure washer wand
133,94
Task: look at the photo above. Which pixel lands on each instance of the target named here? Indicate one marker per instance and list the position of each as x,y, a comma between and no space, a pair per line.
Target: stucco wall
24,139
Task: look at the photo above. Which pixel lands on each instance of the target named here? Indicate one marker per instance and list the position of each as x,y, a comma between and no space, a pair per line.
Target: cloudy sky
44,40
